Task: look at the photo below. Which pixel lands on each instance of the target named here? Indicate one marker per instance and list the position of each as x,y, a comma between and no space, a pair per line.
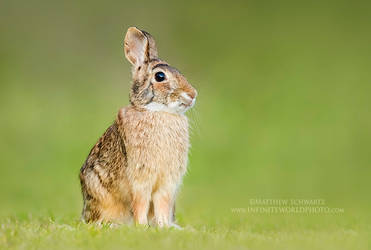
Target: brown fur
134,170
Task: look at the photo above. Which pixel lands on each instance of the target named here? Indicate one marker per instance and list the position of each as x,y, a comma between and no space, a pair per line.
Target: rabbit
133,173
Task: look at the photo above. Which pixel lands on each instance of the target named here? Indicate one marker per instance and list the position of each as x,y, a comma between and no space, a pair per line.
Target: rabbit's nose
192,94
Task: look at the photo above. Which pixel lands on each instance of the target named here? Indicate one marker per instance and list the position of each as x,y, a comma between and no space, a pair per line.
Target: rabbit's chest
156,142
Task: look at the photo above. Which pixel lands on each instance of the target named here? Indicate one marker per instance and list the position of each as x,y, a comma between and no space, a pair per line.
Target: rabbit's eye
160,76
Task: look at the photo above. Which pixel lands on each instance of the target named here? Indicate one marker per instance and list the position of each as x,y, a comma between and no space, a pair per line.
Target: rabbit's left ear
139,46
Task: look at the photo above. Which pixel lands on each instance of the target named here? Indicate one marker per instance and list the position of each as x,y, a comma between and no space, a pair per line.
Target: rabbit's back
102,176
107,158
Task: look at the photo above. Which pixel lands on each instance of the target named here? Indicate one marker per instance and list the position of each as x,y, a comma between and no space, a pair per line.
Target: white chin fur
173,107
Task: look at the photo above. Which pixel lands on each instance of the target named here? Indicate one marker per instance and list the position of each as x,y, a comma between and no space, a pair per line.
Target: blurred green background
283,109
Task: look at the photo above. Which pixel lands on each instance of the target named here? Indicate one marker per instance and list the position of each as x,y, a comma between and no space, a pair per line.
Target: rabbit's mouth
179,107
187,105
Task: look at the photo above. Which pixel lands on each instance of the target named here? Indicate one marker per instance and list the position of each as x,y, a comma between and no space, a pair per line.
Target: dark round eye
160,76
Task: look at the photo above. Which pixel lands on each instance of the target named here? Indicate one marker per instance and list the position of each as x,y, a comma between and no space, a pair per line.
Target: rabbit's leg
152,219
140,207
91,211
163,202
102,202
109,210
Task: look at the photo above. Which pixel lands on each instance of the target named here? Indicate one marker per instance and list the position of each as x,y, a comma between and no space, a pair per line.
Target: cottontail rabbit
134,170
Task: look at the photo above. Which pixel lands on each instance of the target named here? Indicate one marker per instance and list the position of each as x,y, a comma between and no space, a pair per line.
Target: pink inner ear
129,56
135,47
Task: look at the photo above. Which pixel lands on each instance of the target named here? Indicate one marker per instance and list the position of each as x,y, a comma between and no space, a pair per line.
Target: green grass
283,112
246,232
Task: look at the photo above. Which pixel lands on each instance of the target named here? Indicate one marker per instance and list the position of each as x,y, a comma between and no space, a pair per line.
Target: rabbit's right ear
139,46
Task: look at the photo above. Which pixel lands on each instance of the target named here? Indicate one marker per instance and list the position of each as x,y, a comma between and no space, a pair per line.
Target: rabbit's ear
139,46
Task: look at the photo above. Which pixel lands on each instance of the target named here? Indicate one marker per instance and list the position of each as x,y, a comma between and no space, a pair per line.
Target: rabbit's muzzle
187,101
